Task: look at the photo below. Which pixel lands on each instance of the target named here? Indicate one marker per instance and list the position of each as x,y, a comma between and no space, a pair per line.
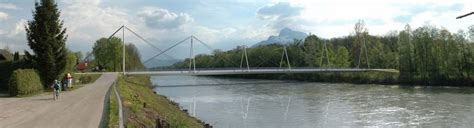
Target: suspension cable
209,47
115,32
265,60
147,42
166,50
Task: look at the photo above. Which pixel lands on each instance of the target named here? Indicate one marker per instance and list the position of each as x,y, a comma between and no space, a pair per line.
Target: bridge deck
256,71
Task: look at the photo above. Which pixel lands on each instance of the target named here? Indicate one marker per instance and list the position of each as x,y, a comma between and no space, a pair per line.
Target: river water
240,103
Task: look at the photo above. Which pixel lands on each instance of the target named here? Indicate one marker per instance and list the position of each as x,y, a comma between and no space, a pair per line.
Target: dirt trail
79,108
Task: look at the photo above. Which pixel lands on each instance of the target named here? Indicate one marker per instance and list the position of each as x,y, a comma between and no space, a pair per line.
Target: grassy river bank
144,108
383,78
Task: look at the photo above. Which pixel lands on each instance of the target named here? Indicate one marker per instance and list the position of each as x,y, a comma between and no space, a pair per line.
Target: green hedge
24,82
5,73
7,68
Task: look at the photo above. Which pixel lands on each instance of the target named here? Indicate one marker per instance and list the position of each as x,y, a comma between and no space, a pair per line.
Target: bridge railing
230,68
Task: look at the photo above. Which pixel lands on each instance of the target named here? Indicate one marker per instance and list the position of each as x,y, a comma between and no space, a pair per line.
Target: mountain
161,63
286,36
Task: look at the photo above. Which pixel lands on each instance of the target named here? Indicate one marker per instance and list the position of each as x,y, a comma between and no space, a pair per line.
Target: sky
225,24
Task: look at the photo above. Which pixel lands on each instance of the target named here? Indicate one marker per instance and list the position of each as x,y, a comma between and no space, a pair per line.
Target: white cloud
163,19
81,2
14,36
270,19
336,17
19,29
3,16
278,11
86,21
8,6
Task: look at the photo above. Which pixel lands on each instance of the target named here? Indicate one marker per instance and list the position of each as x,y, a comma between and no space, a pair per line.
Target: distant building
5,55
82,66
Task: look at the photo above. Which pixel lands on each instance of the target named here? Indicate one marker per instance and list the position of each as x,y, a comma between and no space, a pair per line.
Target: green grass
136,91
85,78
82,79
113,119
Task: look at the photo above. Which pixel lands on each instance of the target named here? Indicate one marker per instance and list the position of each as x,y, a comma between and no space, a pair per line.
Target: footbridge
240,69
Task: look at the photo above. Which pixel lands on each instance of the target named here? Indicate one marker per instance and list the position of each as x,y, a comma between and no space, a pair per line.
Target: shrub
7,68
5,73
85,79
24,82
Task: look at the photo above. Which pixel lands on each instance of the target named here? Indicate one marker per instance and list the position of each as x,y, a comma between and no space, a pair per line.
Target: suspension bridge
241,69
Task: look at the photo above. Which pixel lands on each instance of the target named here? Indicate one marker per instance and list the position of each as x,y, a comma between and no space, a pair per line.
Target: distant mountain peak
285,36
286,31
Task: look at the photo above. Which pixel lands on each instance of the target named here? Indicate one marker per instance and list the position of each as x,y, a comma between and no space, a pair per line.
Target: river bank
144,108
383,78
348,77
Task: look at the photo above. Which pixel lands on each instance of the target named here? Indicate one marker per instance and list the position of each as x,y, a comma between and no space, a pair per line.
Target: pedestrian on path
64,85
56,87
69,80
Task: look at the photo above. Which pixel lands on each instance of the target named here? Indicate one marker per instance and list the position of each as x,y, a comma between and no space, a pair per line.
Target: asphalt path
82,107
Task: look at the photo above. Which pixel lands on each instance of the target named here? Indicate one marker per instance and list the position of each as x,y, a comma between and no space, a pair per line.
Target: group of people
62,85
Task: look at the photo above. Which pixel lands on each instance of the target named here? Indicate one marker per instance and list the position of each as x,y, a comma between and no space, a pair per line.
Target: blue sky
225,24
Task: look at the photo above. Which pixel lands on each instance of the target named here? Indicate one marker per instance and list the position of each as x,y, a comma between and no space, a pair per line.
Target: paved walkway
79,108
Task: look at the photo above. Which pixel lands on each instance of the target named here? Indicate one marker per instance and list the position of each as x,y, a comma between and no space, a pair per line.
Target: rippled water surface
237,103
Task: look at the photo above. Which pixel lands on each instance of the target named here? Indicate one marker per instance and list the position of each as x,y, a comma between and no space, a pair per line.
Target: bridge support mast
325,49
192,60
246,58
285,54
366,56
123,49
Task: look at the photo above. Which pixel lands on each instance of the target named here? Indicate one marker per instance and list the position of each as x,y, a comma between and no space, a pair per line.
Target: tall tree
359,47
132,56
471,33
79,56
71,62
312,51
47,38
16,56
341,57
406,63
108,53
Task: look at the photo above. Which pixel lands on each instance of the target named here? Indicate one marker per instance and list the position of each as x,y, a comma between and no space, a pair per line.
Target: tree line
427,55
432,55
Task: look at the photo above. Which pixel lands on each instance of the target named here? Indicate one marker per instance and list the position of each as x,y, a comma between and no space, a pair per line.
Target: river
255,103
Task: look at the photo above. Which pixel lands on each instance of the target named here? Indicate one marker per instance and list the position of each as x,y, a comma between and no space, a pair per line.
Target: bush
24,82
7,68
5,73
85,79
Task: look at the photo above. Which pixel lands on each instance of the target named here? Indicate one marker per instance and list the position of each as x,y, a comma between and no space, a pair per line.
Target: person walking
56,87
64,84
69,80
